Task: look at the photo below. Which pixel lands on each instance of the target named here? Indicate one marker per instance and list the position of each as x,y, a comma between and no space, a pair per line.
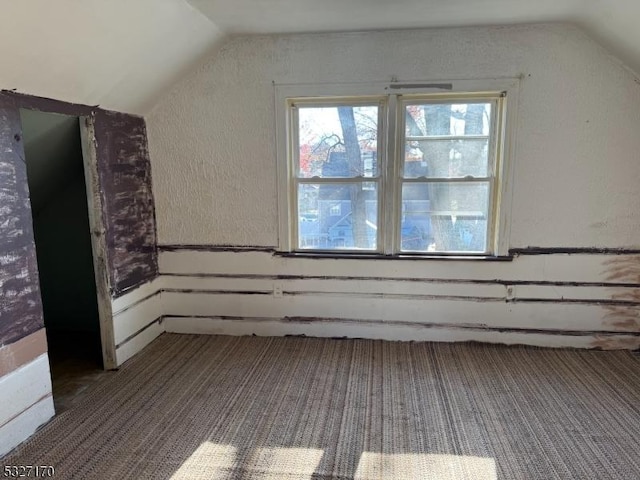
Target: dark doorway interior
55,172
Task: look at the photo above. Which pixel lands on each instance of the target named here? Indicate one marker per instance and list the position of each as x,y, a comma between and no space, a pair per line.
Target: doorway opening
60,211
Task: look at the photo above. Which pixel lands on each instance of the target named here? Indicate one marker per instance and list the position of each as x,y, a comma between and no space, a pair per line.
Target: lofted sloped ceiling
123,54
119,54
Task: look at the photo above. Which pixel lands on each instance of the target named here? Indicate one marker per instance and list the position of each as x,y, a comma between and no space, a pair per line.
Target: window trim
505,129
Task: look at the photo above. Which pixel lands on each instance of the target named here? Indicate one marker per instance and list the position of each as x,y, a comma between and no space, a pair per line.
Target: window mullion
319,180
447,179
390,179
445,138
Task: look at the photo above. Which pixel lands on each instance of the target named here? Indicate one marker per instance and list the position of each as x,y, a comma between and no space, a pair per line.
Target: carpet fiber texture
218,407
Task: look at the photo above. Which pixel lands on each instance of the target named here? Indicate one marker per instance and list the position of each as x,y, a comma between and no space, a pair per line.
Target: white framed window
396,169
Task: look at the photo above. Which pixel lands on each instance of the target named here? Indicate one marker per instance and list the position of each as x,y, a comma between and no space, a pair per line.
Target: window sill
404,256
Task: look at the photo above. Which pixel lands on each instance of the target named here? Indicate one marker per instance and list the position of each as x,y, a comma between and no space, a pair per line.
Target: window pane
437,119
338,216
446,158
339,141
444,217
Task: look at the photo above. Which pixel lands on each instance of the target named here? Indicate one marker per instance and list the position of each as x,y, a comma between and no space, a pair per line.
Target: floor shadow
76,364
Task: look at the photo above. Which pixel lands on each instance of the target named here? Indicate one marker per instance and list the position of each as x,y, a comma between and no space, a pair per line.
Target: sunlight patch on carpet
284,463
425,466
210,461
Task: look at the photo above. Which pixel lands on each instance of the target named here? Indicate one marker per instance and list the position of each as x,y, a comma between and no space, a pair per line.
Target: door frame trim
98,241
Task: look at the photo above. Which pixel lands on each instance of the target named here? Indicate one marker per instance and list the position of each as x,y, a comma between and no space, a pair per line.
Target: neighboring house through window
396,169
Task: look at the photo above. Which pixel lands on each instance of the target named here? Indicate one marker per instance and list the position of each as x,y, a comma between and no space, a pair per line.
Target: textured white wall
577,172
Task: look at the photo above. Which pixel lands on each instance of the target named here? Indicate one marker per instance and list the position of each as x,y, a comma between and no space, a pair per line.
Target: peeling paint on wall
125,177
615,343
20,305
624,269
623,319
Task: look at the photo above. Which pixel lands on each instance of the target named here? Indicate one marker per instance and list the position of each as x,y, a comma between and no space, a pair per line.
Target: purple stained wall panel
128,208
20,304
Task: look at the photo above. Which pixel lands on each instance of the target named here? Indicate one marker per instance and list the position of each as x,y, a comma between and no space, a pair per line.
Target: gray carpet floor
217,407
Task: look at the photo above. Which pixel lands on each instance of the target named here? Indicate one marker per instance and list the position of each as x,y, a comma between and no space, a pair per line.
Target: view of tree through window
338,151
444,185
446,141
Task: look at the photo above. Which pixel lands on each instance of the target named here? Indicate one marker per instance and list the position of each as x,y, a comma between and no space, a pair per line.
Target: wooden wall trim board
22,427
567,268
25,394
400,323
140,340
531,292
137,319
339,328
513,252
16,394
132,297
